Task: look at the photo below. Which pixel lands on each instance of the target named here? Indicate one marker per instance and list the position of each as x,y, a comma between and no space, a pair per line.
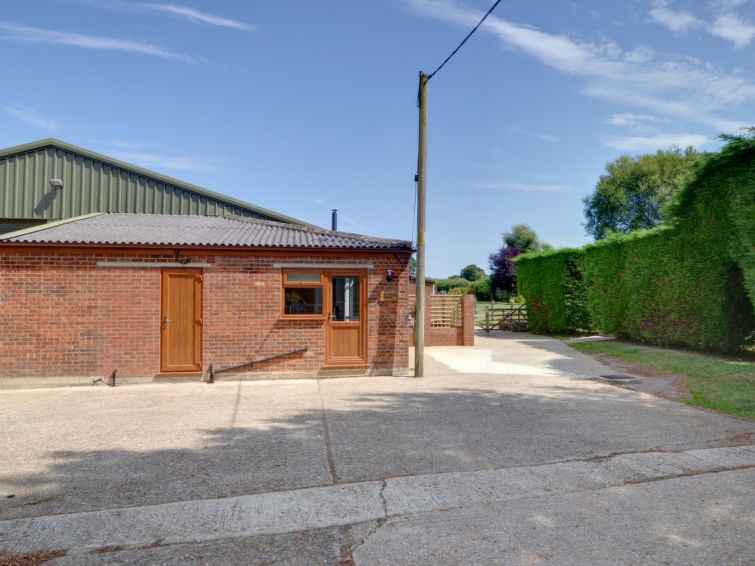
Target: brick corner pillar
467,320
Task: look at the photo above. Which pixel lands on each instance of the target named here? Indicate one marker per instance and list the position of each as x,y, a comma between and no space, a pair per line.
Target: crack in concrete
406,496
326,434
382,497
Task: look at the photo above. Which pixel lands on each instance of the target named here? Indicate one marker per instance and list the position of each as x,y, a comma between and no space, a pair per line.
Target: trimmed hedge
691,284
728,175
552,284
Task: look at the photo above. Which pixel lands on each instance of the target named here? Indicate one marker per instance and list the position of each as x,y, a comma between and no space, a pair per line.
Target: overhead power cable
430,76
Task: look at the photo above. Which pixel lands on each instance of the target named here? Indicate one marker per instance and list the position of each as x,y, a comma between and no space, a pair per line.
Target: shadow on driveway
377,427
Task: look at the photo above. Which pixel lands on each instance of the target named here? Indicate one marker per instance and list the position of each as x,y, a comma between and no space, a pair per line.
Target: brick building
158,296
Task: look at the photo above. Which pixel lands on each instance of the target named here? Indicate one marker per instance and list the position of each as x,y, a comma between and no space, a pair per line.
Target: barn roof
183,230
92,182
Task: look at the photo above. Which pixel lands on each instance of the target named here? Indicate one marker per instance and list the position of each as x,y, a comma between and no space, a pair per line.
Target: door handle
166,320
329,317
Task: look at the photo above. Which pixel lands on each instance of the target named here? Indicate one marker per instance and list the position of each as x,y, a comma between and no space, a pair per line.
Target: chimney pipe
334,225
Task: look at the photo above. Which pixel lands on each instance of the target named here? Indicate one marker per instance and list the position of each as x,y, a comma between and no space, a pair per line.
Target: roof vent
334,222
56,183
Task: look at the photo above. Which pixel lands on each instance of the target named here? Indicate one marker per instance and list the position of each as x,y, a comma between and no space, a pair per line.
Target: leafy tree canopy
503,269
472,272
524,237
637,192
445,285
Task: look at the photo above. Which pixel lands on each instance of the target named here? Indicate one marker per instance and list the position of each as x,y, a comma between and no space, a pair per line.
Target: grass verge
715,382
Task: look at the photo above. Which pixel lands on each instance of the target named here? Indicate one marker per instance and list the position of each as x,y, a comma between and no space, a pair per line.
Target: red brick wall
441,336
62,315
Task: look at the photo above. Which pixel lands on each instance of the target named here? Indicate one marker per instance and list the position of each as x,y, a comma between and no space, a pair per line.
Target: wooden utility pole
419,319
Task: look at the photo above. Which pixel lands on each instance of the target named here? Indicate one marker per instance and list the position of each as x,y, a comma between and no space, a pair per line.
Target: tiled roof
174,230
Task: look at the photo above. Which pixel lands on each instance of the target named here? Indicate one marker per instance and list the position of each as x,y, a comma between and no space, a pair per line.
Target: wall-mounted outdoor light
389,276
56,183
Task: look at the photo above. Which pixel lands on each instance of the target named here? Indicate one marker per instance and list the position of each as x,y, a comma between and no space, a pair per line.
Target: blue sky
305,106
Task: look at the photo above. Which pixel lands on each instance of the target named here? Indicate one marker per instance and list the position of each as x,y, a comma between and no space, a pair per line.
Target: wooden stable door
181,321
346,337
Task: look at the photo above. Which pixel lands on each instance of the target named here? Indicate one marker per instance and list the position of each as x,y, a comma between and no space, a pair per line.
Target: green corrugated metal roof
93,182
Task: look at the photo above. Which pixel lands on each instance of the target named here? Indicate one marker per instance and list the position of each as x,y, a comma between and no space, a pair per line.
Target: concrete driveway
503,453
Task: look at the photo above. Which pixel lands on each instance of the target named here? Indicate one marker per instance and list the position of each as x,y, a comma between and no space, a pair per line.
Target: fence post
467,320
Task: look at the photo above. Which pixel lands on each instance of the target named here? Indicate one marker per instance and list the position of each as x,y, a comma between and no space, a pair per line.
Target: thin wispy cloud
348,223
151,156
523,187
123,144
727,24
197,16
634,120
27,34
650,143
169,162
732,27
539,135
177,11
681,88
31,117
674,20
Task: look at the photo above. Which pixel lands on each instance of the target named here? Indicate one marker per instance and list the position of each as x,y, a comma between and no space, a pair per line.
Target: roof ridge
311,229
124,228
47,225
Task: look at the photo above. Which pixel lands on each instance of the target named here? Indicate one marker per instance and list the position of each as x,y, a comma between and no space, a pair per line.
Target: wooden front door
181,321
346,338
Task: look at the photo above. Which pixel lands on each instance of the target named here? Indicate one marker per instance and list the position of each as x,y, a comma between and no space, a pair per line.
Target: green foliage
728,174
482,288
501,295
521,235
691,283
461,291
445,285
678,285
552,285
637,193
472,272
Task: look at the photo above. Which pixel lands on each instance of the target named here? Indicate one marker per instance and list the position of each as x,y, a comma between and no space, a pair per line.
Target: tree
481,288
524,237
413,266
503,269
445,285
637,192
472,272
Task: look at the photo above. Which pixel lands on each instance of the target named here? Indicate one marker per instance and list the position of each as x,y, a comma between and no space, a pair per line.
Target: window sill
302,317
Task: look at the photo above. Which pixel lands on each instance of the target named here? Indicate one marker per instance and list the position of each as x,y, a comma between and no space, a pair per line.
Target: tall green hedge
552,284
728,176
690,284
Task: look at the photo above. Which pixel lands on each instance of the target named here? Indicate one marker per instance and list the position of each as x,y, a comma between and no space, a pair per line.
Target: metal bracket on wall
213,371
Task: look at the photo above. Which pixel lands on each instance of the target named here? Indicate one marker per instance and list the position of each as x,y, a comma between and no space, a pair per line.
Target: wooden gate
503,316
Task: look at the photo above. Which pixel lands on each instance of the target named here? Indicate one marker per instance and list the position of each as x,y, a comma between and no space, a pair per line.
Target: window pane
303,300
313,277
346,299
